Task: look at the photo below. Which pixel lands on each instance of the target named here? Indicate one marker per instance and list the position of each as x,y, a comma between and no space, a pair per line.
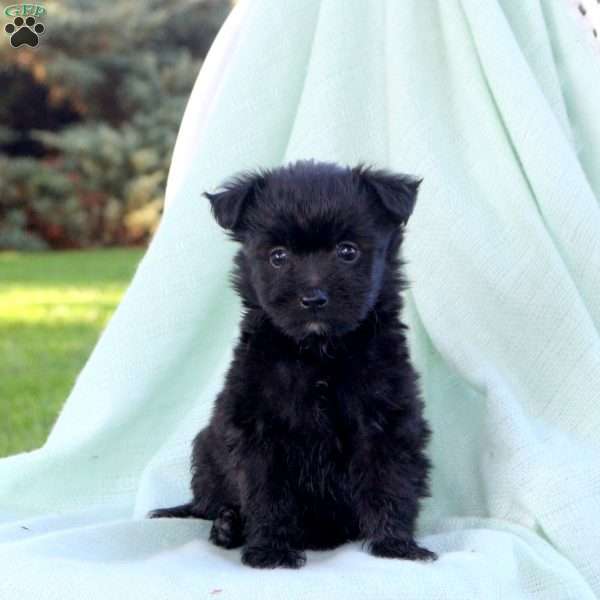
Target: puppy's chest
309,417
309,396
315,428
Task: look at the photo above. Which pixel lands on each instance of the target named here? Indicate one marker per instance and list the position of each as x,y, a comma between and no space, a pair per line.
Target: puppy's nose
314,299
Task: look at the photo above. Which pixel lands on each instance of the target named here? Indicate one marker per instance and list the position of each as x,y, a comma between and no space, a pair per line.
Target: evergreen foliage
89,117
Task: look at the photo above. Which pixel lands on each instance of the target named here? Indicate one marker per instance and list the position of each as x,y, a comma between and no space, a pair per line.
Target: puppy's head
317,241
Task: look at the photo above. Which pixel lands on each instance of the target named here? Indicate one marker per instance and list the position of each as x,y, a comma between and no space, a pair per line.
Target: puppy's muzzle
315,298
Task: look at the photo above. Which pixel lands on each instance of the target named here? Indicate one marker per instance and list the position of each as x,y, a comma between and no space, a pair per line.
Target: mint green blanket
497,104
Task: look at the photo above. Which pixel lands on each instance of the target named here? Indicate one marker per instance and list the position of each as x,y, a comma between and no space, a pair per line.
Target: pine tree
104,92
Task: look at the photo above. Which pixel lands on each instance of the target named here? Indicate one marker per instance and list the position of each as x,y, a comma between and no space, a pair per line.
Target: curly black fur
318,435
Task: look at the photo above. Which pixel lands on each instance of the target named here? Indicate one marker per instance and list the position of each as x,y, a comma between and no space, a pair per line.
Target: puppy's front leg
273,534
387,506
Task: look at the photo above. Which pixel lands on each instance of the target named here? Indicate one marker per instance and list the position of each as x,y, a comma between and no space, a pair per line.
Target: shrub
108,104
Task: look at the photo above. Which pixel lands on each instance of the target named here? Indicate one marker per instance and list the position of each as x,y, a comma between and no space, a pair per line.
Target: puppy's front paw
269,557
401,548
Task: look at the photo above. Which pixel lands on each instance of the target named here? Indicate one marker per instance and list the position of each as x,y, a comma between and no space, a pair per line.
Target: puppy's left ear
397,193
233,199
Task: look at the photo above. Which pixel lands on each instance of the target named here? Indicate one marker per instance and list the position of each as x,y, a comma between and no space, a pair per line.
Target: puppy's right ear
232,200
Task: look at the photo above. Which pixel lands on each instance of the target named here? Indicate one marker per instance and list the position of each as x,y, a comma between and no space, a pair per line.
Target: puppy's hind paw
269,557
226,529
183,511
159,513
401,548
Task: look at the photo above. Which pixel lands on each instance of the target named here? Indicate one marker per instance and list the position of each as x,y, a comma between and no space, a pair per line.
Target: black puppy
318,436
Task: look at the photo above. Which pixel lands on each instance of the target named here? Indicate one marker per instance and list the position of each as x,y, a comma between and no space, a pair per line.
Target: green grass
52,308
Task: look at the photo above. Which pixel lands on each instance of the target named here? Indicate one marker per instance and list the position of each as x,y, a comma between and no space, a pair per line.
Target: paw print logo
24,32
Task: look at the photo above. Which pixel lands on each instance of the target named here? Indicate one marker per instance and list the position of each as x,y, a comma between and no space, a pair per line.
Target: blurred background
88,120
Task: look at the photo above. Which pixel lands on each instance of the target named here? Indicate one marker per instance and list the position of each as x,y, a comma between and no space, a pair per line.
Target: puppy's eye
348,252
278,257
